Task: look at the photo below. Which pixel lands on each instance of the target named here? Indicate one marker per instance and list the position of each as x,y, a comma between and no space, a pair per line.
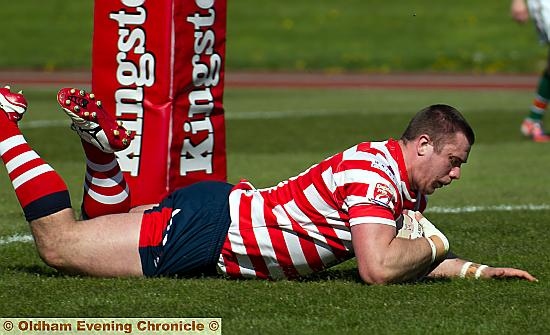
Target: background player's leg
532,125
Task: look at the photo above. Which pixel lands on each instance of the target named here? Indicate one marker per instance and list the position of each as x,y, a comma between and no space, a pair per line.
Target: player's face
441,168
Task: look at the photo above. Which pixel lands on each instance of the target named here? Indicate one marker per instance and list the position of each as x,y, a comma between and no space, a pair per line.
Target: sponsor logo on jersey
382,194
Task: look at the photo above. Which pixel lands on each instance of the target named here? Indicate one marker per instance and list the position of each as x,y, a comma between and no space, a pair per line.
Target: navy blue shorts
184,234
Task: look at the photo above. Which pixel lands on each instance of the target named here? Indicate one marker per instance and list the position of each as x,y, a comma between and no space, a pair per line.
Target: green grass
323,35
380,36
47,36
275,133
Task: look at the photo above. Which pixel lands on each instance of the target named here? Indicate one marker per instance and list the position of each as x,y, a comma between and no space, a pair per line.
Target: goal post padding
158,66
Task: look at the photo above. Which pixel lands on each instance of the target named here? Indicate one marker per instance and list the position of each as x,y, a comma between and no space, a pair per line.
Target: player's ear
424,145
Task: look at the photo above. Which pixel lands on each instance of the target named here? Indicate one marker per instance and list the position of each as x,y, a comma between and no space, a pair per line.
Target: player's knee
53,238
52,253
51,256
52,249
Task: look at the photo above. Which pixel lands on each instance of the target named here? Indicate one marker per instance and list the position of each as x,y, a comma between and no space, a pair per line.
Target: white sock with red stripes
105,190
39,189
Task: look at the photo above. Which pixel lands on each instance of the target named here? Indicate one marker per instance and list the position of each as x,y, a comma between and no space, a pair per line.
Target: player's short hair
439,122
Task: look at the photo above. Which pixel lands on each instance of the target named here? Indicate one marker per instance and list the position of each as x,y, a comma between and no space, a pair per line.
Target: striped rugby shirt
303,225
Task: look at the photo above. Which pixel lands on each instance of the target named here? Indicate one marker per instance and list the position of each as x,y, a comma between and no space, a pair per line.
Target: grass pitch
321,35
275,133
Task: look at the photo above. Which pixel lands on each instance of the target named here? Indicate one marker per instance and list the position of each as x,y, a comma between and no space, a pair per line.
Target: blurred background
318,36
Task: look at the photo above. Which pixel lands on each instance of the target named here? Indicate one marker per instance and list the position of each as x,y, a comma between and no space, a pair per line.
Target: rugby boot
534,130
13,104
92,122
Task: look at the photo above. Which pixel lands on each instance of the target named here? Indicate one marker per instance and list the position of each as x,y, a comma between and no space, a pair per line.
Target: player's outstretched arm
456,267
452,266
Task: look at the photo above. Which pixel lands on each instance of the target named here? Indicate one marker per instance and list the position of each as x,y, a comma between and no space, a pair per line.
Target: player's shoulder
372,154
367,162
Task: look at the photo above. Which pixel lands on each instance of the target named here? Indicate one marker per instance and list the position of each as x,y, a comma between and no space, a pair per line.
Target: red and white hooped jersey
303,225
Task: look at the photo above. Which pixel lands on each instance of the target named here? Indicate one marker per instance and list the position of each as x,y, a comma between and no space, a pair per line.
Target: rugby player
348,205
532,125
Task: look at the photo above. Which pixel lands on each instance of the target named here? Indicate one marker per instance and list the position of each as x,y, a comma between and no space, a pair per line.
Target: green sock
540,102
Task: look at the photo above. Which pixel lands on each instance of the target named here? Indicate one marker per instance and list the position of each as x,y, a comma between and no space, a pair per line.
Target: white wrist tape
470,270
464,269
479,269
438,241
430,230
434,249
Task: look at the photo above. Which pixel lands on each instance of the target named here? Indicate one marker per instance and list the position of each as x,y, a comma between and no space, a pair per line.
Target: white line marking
251,115
268,115
18,238
254,115
494,208
44,124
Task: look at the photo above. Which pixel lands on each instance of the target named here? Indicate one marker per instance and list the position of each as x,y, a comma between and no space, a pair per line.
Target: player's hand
490,272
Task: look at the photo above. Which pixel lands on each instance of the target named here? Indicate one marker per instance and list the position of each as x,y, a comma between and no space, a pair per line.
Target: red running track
23,79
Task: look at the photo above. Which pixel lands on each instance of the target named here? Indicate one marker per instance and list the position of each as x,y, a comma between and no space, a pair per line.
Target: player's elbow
375,275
